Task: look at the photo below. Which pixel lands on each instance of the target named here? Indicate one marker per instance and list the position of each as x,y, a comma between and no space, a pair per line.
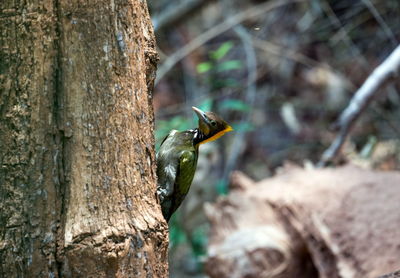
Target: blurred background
280,72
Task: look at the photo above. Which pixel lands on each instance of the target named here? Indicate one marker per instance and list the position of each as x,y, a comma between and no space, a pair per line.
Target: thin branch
270,48
281,51
298,57
381,22
217,30
176,12
343,32
250,98
384,73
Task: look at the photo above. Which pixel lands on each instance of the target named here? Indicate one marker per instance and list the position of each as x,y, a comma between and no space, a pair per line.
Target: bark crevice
60,140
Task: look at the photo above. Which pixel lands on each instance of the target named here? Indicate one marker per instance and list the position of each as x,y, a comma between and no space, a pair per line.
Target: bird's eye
213,123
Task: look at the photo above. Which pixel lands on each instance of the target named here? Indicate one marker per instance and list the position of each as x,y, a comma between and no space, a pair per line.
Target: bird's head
211,125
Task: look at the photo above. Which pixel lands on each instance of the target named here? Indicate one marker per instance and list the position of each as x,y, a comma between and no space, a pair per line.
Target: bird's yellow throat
217,135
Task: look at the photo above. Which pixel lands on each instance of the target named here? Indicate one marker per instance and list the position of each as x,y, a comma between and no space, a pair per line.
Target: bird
177,159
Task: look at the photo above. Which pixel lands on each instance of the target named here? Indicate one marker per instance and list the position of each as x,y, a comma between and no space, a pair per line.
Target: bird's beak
229,128
200,114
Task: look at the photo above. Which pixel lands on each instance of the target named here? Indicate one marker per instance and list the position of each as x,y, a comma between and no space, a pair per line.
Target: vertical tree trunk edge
77,176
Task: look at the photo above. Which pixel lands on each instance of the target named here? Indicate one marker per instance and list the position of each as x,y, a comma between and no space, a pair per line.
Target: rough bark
324,223
77,192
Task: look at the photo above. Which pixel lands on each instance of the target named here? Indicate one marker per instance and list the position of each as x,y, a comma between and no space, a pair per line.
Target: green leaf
225,83
230,82
177,234
199,240
243,127
204,67
206,104
221,51
222,187
164,127
234,104
229,65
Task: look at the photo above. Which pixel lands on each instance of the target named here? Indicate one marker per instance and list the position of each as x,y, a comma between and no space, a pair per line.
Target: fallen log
327,223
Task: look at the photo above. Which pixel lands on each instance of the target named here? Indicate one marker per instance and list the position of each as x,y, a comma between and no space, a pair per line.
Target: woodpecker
177,159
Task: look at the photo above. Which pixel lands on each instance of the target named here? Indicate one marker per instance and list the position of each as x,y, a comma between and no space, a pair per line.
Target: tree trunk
77,182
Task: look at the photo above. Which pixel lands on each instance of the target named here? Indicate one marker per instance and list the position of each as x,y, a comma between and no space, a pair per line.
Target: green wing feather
184,177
